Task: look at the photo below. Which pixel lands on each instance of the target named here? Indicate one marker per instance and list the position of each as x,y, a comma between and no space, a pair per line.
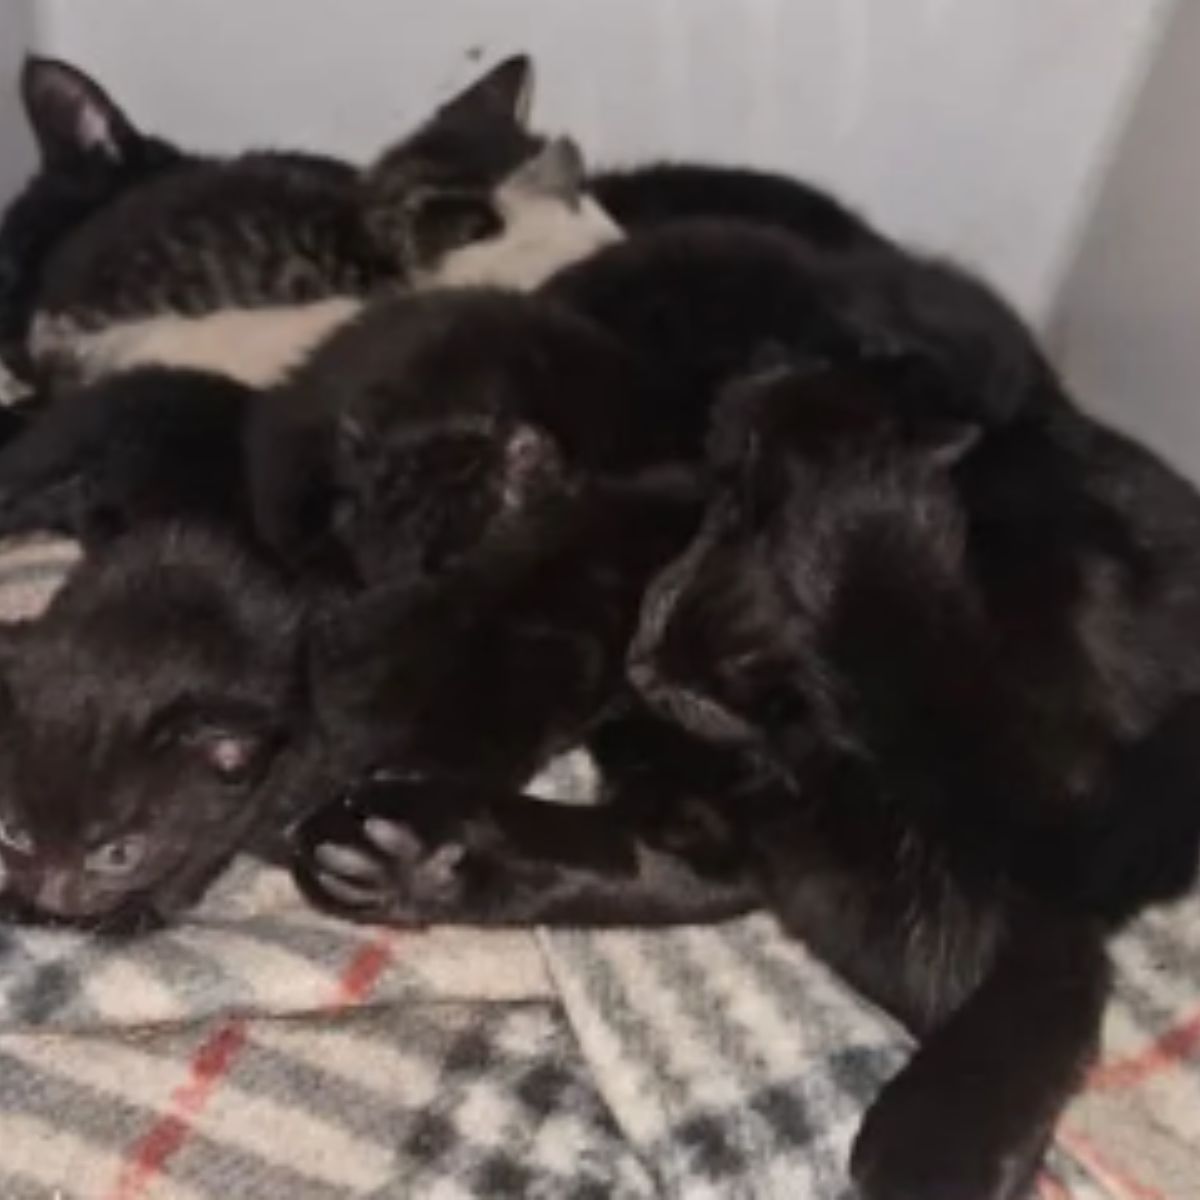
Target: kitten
147,715
620,357
967,661
242,264
145,445
432,419
457,694
945,718
696,301
471,194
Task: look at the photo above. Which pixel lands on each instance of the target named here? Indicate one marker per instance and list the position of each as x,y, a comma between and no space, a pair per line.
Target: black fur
431,418
344,458
79,176
149,715
947,685
646,197
698,303
145,445
537,614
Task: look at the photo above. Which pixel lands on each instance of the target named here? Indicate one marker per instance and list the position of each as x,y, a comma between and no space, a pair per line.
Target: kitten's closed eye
235,756
14,837
231,740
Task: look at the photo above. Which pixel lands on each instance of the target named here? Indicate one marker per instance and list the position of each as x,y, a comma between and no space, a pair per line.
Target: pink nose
58,893
54,891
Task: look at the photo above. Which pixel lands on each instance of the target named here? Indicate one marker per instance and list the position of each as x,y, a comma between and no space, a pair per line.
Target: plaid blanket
263,1052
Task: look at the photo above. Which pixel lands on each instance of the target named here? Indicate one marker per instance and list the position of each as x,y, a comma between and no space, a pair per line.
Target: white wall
1128,327
975,127
16,146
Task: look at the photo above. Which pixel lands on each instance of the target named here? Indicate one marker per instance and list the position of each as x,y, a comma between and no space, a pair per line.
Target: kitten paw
372,858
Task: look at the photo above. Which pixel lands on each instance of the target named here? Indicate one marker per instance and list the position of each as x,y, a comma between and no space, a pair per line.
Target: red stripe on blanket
211,1062
363,971
216,1057
1051,1189
1165,1051
1103,1171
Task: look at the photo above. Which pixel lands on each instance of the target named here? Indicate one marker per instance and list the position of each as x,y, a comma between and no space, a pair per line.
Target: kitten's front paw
368,859
924,1146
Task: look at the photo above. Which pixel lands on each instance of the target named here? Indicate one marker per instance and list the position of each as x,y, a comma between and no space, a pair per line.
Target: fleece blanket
260,1051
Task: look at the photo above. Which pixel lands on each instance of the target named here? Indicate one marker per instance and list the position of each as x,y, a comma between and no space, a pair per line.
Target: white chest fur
256,346
260,346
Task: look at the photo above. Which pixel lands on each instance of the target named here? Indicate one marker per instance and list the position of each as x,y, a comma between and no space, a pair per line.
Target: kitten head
456,438
475,197
143,715
831,496
956,339
432,421
415,496
90,152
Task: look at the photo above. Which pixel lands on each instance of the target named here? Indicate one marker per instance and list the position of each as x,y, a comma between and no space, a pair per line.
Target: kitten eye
449,221
15,838
118,857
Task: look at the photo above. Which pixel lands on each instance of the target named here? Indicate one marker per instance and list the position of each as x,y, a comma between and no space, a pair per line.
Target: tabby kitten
242,264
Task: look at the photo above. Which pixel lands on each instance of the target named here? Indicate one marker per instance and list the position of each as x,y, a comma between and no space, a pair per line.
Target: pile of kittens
398,482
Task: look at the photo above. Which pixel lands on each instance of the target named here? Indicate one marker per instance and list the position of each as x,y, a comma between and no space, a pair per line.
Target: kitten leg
969,1118
416,852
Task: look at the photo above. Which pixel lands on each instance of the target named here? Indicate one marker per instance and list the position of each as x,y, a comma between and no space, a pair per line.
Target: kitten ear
771,358
353,441
71,114
944,443
739,407
558,170
532,466
504,93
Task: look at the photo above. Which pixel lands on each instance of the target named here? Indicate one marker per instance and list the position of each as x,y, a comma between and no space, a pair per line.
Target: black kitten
968,662
146,445
432,419
454,692
945,714
696,303
147,718
91,154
